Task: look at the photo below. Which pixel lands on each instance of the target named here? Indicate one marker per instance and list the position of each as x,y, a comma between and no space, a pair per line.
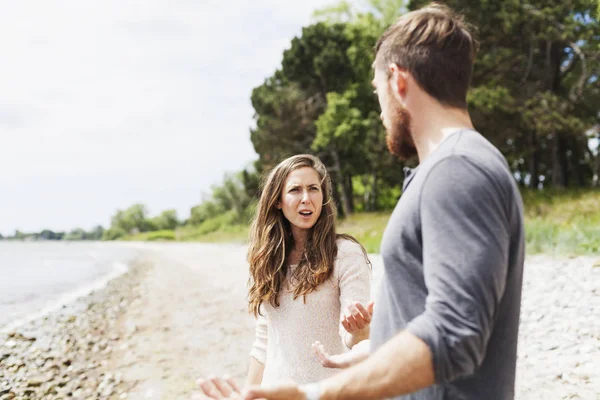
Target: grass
163,235
556,222
563,222
367,228
226,233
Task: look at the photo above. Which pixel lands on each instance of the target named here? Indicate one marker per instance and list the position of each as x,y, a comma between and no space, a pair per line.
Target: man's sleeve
465,259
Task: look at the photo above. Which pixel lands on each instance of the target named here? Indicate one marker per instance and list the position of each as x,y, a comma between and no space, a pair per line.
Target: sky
110,103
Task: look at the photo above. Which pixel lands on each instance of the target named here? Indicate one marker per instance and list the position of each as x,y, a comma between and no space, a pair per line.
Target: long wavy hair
271,239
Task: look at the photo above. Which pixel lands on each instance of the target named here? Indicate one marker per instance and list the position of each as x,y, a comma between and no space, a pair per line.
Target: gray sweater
453,254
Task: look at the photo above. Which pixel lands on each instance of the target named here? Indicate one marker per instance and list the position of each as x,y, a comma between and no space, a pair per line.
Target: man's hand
357,317
359,352
218,388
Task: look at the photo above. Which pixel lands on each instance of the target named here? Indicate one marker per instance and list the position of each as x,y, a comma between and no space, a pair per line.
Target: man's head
427,52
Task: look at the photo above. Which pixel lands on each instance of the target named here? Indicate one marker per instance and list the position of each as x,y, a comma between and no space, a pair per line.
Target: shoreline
63,300
64,353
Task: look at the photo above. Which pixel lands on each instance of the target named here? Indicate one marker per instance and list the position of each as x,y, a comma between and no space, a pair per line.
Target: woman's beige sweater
284,335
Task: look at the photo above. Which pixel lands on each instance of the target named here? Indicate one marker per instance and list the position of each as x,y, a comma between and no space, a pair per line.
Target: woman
302,276
307,283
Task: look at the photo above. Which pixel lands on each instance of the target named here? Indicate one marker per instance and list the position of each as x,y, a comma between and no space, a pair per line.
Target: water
37,277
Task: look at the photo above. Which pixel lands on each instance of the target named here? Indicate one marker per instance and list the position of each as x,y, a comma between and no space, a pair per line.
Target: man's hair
436,46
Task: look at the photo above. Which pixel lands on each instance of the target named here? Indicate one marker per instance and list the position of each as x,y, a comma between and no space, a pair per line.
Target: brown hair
271,239
436,46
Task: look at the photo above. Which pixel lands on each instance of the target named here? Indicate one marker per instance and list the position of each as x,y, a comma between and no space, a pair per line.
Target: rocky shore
179,313
65,354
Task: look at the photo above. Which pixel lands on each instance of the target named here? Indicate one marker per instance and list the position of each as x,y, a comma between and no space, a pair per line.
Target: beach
179,313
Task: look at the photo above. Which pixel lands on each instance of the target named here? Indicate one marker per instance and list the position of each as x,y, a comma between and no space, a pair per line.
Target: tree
384,11
538,59
76,234
113,234
233,196
166,220
96,233
284,117
47,234
133,219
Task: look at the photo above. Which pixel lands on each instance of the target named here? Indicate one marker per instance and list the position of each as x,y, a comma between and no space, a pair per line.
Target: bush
160,235
113,234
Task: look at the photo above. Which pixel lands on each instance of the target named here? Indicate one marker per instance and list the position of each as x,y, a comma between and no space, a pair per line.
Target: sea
39,277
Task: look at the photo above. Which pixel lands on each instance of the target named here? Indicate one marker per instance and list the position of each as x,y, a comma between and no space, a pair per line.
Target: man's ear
398,82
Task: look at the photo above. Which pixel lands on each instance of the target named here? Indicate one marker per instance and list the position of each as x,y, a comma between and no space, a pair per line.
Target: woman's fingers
345,323
233,384
371,306
209,389
324,358
365,314
222,386
355,317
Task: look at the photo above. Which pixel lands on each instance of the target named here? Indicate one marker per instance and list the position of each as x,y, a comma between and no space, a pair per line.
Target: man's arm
402,365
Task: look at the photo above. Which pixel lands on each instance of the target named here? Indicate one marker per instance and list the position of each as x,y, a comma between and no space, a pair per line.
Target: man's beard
399,135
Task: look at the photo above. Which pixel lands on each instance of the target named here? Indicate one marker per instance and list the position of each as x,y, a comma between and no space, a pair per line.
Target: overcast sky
107,103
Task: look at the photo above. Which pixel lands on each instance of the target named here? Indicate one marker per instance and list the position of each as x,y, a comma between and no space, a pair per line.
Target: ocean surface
38,277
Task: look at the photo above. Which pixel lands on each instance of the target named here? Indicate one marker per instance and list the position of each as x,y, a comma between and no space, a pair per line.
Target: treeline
76,234
230,204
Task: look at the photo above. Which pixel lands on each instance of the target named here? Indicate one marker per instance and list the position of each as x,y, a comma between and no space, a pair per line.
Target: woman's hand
357,317
359,352
218,388
227,389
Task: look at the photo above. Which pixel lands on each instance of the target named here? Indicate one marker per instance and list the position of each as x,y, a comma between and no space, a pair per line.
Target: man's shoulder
469,149
471,145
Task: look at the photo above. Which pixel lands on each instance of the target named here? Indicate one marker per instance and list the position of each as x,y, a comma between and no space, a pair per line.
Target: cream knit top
284,335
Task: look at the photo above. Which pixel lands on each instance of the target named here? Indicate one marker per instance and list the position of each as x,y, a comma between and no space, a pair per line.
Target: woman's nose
305,197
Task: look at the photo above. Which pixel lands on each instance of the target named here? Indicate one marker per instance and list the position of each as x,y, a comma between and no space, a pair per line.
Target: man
446,321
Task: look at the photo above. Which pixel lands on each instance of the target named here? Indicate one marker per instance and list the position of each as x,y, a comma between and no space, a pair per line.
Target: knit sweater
284,335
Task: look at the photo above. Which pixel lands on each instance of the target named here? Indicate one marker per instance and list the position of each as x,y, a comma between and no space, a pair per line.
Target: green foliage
341,126
367,228
223,224
50,235
132,220
78,234
233,198
167,220
161,235
561,221
204,211
384,11
113,234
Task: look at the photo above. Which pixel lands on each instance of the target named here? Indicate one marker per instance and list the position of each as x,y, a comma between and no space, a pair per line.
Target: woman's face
301,199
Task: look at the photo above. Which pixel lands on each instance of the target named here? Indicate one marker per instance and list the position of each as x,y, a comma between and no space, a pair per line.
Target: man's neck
431,128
